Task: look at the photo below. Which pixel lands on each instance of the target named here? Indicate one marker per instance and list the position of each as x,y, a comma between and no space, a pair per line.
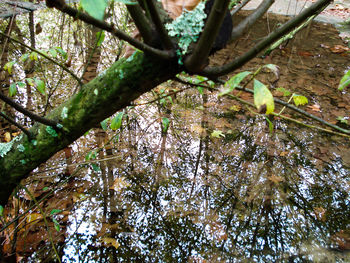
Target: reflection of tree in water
251,196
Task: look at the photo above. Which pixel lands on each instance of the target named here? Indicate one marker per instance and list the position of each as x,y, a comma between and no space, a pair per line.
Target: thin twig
31,115
10,120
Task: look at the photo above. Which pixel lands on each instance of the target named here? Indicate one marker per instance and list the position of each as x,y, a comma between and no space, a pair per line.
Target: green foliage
187,27
263,97
165,124
90,156
95,8
345,81
1,210
343,120
104,124
100,37
233,82
285,92
117,121
51,131
217,134
8,66
299,100
40,85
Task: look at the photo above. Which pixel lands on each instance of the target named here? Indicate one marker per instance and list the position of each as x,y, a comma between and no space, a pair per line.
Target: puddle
217,186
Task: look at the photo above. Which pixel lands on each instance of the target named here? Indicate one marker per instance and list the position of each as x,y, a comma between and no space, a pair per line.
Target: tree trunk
113,90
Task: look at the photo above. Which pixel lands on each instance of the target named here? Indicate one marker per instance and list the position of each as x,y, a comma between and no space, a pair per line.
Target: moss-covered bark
113,90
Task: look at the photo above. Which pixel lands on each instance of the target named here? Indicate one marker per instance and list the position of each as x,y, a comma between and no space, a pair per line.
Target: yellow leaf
110,242
275,179
34,218
7,137
119,184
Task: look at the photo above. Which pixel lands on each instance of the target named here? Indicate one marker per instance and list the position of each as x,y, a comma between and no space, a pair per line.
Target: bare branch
159,27
141,22
31,115
212,27
214,72
251,19
63,7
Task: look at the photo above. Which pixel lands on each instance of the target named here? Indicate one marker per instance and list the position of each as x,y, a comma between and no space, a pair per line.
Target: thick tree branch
211,29
214,72
141,22
159,27
122,83
31,115
251,19
63,7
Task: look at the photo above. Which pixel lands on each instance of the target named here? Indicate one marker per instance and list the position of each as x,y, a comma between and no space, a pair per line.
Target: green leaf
21,84
95,167
55,211
100,37
233,82
104,124
95,8
299,100
200,89
285,92
165,124
40,85
56,225
270,125
217,134
62,52
53,52
345,81
33,56
117,121
24,57
127,2
1,210
263,97
9,65
30,81
13,89
90,156
342,120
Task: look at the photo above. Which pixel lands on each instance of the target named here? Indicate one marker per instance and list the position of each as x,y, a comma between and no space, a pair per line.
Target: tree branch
214,72
212,27
159,27
251,19
141,22
63,7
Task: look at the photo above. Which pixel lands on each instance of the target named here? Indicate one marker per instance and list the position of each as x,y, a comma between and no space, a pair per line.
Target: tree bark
109,92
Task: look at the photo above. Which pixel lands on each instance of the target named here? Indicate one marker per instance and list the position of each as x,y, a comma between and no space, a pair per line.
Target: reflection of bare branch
10,120
31,115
